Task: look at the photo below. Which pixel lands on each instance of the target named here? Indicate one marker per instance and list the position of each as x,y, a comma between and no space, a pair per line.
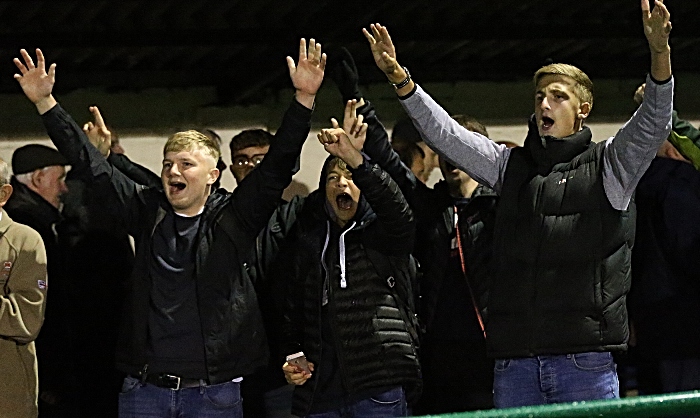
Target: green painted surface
637,407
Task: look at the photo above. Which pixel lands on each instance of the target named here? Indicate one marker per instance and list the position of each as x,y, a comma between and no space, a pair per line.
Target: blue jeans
553,379
138,400
391,403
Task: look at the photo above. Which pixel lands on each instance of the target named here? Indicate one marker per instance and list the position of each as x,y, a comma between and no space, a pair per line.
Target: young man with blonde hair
191,324
564,225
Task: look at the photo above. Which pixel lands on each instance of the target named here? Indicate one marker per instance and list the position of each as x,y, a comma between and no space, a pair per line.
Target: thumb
334,123
292,67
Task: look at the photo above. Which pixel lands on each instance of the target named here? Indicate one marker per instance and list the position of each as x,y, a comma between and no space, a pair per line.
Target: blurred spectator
38,184
402,136
663,303
23,286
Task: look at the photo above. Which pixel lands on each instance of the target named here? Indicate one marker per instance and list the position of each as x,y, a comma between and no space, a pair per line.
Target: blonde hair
191,140
583,87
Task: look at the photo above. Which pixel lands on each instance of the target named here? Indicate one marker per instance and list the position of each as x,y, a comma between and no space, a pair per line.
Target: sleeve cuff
410,93
657,82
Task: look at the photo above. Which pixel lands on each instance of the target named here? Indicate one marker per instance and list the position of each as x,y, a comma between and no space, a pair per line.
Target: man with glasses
248,149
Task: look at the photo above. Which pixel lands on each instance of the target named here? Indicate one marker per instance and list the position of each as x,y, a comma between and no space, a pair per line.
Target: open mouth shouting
175,187
344,201
546,124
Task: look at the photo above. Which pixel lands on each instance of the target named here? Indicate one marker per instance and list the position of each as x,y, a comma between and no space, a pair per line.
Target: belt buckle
170,379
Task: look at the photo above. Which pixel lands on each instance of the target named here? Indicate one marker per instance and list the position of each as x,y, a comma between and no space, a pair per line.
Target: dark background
234,50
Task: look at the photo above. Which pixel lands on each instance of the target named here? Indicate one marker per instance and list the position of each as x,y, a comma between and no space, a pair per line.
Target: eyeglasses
242,161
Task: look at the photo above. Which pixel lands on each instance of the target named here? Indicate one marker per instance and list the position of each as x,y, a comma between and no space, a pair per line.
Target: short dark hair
250,138
408,152
471,124
405,131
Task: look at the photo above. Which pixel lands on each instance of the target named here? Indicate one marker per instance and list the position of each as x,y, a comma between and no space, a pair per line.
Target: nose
64,187
545,104
174,170
342,181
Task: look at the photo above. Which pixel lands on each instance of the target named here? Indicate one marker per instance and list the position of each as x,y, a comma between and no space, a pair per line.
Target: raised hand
382,47
657,25
307,74
353,125
344,72
97,132
36,83
337,143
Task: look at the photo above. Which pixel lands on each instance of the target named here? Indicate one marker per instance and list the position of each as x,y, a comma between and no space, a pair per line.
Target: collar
548,151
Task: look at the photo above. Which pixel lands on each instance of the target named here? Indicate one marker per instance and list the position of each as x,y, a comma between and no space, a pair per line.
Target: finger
311,366
322,64
358,124
98,116
320,137
385,35
369,36
311,52
20,66
27,59
302,49
347,115
334,123
645,8
363,130
52,71
291,65
40,61
388,59
85,128
375,32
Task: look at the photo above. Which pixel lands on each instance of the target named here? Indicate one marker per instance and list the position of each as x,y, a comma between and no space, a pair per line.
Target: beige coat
22,304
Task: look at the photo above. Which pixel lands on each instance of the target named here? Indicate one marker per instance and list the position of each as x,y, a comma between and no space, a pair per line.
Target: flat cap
35,156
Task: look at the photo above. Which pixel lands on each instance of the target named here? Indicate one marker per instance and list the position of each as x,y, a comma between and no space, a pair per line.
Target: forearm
257,197
137,173
379,150
386,200
628,154
478,156
661,64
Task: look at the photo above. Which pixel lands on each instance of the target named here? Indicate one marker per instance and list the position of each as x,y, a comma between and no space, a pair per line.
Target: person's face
558,111
430,159
453,175
667,150
187,177
418,168
50,183
246,159
342,194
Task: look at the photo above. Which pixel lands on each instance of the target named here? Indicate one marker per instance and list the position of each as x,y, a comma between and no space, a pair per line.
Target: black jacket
562,253
368,316
54,343
234,338
434,210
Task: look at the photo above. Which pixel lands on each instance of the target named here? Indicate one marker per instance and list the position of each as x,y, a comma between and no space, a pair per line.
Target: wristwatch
404,82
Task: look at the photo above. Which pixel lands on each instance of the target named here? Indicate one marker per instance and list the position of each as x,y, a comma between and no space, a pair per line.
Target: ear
37,176
5,193
584,110
213,175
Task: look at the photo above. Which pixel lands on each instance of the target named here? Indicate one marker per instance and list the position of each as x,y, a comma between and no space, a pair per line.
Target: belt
169,381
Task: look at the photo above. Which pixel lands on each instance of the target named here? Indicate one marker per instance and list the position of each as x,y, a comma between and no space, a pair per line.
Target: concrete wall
144,119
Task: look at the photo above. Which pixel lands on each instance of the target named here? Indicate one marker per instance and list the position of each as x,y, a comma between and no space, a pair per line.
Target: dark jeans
391,403
138,400
553,379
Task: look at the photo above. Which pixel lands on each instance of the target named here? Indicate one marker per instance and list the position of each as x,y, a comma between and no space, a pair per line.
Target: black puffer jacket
234,339
562,253
371,332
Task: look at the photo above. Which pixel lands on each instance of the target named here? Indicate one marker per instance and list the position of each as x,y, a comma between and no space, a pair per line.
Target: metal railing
683,403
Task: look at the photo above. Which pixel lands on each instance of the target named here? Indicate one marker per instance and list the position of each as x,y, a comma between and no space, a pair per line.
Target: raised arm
257,197
481,158
629,153
68,137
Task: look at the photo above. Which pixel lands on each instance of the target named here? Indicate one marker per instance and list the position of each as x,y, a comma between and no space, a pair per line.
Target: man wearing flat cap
38,183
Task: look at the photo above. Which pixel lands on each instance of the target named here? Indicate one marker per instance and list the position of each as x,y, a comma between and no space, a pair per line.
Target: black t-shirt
176,344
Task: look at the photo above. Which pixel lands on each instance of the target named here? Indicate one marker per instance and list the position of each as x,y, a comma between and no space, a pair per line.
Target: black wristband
404,82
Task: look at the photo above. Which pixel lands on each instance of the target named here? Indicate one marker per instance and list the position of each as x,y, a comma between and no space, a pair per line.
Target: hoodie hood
364,212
